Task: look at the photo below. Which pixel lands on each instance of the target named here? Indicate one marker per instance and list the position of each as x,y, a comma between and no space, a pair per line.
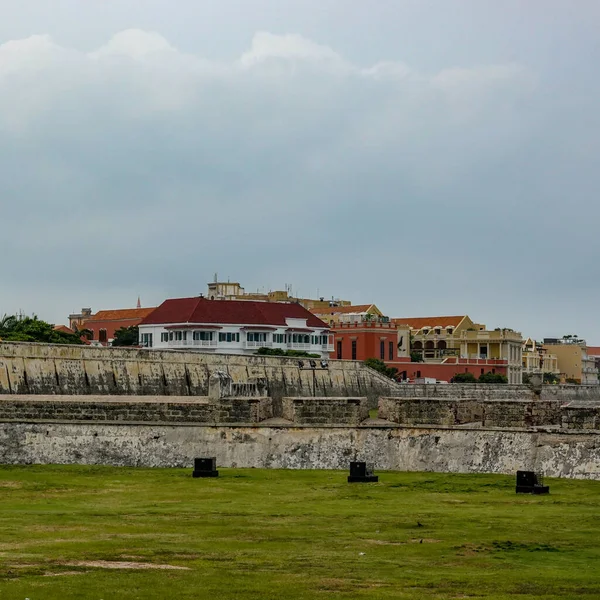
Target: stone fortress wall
84,370
71,404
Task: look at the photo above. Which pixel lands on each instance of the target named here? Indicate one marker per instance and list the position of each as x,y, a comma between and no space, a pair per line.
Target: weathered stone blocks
325,411
135,410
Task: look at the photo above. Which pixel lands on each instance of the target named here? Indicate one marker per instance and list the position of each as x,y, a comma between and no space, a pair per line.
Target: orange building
450,367
372,338
105,322
378,337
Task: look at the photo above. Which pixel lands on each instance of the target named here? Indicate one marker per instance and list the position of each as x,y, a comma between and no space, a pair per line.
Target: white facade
238,339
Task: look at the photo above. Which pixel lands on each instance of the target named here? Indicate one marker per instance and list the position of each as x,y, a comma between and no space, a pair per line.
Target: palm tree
8,323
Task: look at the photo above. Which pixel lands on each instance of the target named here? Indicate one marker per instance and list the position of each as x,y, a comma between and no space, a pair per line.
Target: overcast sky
432,157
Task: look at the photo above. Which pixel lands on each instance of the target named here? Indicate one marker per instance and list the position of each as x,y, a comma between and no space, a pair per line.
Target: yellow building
438,338
574,363
348,313
537,360
218,290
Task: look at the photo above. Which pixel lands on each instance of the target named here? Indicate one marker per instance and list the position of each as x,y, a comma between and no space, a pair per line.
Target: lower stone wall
136,409
325,411
430,411
491,413
483,391
445,450
539,413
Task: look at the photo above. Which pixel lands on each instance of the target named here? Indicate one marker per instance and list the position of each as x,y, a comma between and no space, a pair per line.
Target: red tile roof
418,322
63,329
329,310
593,350
234,312
121,314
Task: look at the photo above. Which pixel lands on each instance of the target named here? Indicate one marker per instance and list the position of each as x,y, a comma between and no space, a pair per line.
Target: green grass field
290,535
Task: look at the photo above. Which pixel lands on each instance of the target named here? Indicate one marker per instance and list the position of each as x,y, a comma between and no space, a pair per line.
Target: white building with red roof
234,327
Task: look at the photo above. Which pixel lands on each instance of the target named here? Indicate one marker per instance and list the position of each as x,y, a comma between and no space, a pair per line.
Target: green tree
126,336
282,352
416,356
551,378
32,329
490,377
464,378
381,367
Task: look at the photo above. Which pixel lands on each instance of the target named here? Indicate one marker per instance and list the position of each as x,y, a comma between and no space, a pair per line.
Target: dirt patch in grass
412,541
110,564
11,484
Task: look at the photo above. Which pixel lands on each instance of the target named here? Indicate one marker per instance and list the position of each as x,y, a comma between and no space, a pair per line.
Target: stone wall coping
537,400
67,352
101,399
313,398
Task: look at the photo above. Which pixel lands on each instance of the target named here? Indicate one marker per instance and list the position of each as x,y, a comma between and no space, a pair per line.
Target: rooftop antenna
216,277
139,303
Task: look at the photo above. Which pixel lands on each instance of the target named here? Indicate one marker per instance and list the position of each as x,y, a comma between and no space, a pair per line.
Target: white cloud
135,44
267,46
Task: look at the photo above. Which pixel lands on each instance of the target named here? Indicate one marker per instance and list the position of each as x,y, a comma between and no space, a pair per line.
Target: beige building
537,360
349,314
76,320
575,365
218,290
437,339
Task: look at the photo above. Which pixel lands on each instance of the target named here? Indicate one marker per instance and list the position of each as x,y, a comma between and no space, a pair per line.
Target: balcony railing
300,346
196,343
253,345
327,347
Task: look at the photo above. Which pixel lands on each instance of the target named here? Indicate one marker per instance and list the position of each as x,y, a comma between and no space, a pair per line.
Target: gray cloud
137,167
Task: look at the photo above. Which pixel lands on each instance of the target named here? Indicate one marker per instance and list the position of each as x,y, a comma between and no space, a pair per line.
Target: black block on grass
361,472
205,467
530,482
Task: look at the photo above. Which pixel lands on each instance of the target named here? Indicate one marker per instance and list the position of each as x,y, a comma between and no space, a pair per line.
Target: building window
102,335
146,340
382,350
170,336
164,337
298,338
391,351
449,330
425,331
229,337
353,349
205,336
279,338
438,331
418,374
255,336
339,350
